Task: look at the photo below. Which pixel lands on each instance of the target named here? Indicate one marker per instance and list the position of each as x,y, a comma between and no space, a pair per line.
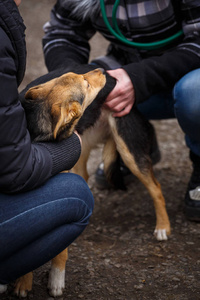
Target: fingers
123,112
122,97
120,105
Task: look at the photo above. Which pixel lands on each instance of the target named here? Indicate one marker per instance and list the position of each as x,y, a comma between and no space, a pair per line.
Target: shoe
192,197
100,178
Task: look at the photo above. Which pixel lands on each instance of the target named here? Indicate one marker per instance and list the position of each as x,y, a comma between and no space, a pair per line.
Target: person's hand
122,97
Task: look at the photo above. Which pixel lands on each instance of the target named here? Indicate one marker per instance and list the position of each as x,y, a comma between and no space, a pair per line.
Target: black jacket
23,165
74,22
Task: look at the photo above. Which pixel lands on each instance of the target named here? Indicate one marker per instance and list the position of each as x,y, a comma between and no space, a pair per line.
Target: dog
51,116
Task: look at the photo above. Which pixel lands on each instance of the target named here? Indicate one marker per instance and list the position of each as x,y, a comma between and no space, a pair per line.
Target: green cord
117,33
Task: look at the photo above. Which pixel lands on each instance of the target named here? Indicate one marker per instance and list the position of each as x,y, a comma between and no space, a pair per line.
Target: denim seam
29,210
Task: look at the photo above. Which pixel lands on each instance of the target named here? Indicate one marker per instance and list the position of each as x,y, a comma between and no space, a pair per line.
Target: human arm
160,72
66,38
25,165
136,82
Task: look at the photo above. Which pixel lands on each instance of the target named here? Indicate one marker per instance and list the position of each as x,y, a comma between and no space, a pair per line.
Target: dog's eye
88,85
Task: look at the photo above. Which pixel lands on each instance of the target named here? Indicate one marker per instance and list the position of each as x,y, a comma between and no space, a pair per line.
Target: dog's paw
3,288
23,285
56,283
161,234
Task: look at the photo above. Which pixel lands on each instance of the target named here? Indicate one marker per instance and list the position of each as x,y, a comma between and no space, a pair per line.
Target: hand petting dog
122,98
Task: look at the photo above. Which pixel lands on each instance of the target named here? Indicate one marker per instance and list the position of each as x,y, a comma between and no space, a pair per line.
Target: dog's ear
36,92
65,117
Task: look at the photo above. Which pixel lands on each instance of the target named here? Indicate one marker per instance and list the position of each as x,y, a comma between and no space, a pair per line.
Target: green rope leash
117,33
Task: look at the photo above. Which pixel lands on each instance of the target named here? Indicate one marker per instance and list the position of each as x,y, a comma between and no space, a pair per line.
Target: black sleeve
160,73
24,165
66,38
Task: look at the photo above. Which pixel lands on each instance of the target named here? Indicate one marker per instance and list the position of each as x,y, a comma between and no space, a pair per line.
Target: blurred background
35,13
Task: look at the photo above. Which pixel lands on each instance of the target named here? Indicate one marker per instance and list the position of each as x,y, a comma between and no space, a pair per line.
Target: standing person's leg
36,226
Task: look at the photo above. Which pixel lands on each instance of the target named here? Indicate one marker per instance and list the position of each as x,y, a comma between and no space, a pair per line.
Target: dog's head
54,108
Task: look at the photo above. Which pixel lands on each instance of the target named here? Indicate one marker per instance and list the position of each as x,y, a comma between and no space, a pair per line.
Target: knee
69,185
186,95
82,190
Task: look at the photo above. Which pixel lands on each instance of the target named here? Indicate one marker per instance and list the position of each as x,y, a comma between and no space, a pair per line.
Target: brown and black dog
60,102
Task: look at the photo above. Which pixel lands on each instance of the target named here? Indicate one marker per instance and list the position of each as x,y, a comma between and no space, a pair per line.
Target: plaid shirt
72,25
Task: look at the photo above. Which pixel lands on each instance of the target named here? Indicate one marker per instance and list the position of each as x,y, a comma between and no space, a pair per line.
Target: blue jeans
37,225
183,103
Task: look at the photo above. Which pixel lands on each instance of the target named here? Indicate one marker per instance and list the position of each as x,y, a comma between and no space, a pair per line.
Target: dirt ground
117,257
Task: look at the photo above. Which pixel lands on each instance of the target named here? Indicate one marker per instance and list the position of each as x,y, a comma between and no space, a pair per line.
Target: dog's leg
80,167
23,285
162,229
56,282
146,176
109,153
